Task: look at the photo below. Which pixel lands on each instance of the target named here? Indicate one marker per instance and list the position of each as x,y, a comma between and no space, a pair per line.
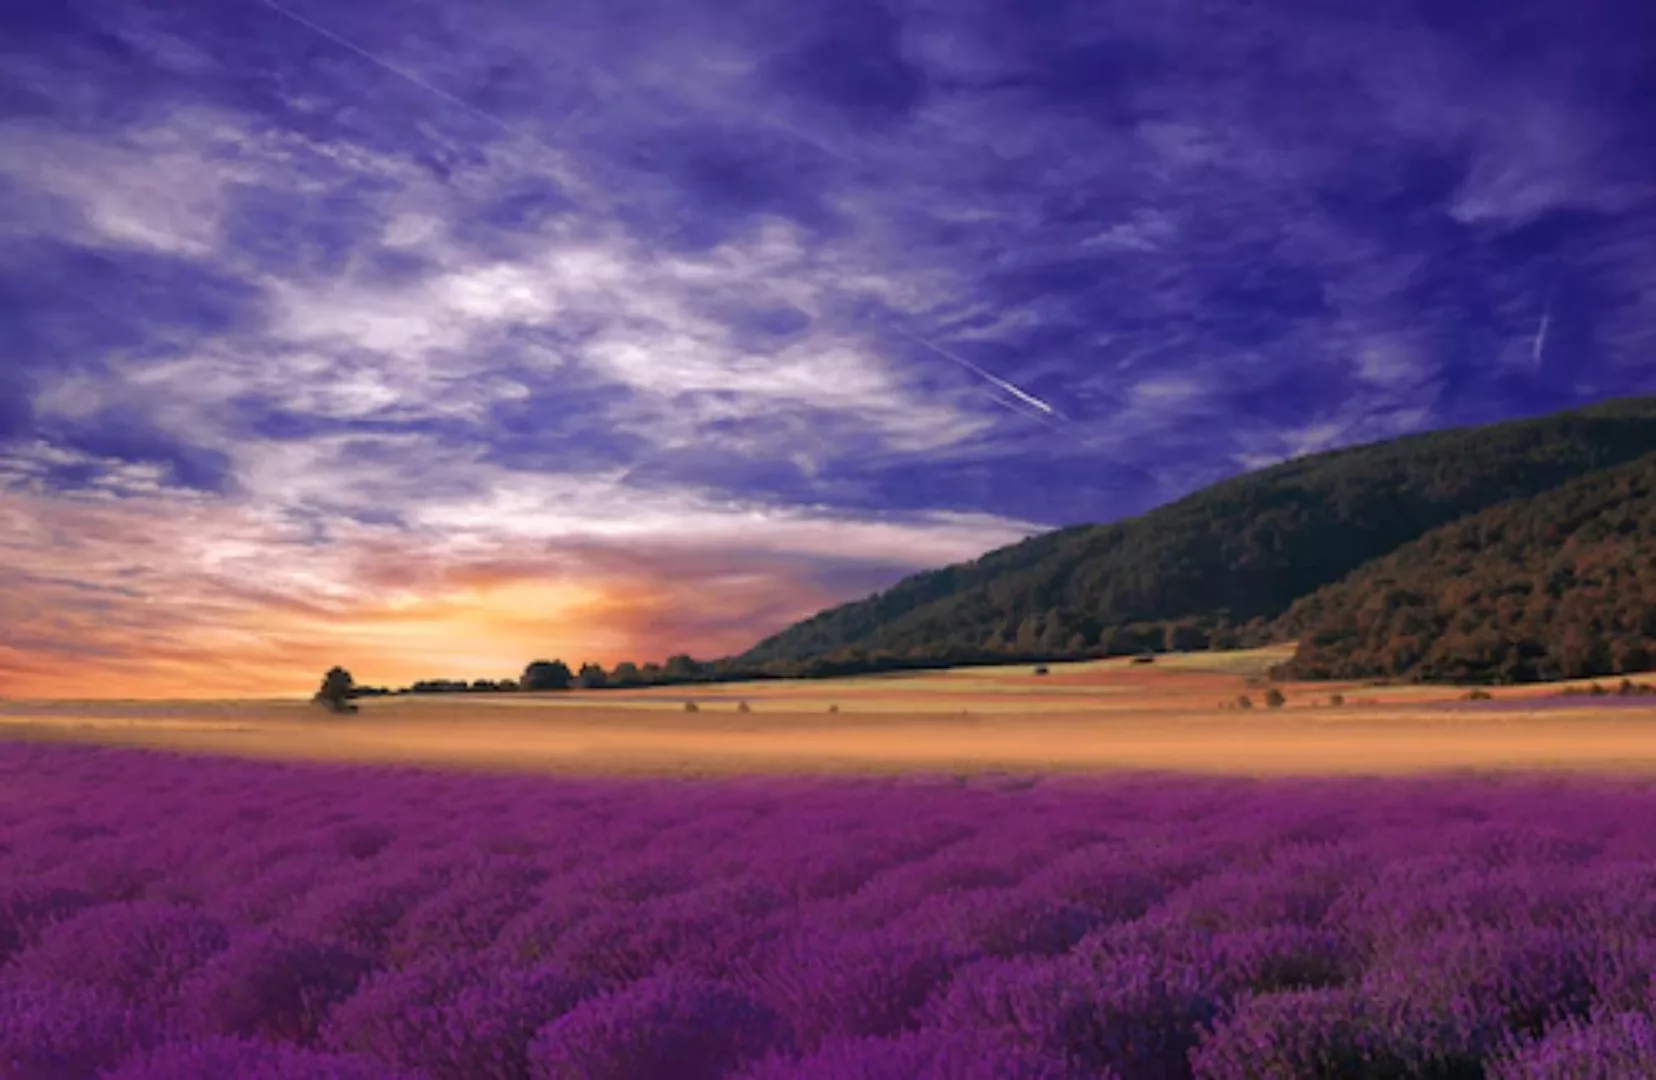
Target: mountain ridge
1221,566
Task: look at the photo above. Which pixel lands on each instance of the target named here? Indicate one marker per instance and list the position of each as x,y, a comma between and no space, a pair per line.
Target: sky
433,338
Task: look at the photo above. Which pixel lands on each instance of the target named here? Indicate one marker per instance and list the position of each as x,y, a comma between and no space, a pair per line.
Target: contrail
1541,332
1021,395
407,76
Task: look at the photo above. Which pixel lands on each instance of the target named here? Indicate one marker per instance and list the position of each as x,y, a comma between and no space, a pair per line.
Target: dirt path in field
1105,715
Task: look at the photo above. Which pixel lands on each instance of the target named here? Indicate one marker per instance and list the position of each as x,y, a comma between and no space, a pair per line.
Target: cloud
153,593
640,281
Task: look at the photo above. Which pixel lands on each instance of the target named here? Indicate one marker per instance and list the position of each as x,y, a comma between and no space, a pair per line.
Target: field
1050,878
1101,715
164,917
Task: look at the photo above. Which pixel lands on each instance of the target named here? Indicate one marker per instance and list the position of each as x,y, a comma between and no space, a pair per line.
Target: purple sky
461,333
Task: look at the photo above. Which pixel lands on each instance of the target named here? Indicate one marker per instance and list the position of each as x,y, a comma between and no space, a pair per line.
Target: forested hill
1559,586
1220,565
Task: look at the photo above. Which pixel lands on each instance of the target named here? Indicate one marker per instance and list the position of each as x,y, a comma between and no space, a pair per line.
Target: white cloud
159,188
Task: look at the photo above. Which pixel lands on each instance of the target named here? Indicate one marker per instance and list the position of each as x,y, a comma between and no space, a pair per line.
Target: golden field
1109,714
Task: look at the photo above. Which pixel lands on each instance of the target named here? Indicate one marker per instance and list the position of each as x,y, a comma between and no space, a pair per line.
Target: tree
626,673
592,677
546,675
335,693
681,668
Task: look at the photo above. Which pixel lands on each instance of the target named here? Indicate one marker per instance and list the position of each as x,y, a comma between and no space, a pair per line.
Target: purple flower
67,1032
853,984
246,1059
1331,1034
926,1055
1609,1048
665,1028
140,949
270,985
453,1018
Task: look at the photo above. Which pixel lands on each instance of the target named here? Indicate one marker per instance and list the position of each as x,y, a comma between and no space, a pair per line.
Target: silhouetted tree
681,668
546,675
626,673
592,677
335,692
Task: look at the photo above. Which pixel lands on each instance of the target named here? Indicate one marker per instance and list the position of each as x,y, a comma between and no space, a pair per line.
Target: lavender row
173,917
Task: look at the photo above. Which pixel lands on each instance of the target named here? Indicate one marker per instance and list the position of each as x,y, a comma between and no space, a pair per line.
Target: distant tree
650,673
1225,638
546,675
625,674
592,677
681,668
1274,699
1183,637
335,692
1243,701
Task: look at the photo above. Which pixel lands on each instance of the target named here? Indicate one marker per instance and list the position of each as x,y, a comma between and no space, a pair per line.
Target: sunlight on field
1103,715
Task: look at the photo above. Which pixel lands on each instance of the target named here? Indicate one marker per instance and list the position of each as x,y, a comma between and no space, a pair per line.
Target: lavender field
164,917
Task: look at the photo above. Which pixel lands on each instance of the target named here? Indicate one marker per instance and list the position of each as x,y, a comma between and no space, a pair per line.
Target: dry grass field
1110,714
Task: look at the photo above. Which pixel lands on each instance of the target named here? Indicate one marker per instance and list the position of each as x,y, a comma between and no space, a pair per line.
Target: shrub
361,915
1336,699
452,1019
1041,669
1002,922
671,1027
61,1032
246,1059
1243,701
27,909
270,985
1327,1034
1274,698
853,984
1610,1048
922,1055
140,950
1478,695
1138,1014
691,706
742,706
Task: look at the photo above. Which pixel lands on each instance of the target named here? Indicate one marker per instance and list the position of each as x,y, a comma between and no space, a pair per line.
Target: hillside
1222,564
1559,586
